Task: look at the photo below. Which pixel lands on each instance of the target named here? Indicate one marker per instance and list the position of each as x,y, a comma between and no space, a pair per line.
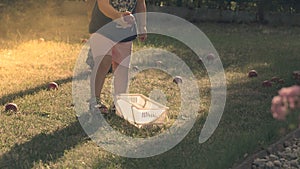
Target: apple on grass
210,57
200,61
267,83
11,107
135,68
84,40
177,79
278,80
296,74
281,81
159,63
52,86
41,40
275,79
252,73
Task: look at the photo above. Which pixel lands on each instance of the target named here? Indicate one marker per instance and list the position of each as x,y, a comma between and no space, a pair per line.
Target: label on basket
139,109
148,114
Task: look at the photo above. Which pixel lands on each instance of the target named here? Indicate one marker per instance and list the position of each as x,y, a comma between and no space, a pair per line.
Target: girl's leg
101,51
120,63
97,80
99,73
120,78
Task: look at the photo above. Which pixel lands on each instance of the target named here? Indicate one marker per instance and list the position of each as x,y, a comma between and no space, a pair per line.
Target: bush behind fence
275,12
228,16
285,6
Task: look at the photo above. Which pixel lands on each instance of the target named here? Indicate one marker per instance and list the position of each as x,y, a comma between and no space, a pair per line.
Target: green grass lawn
45,132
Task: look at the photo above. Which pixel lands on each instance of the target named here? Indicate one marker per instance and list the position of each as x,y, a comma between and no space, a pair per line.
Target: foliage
287,100
291,6
46,134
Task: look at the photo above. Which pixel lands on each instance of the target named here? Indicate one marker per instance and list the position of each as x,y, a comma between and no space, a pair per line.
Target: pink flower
288,99
296,91
279,108
291,95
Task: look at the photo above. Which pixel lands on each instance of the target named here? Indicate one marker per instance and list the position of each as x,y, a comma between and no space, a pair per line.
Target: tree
263,6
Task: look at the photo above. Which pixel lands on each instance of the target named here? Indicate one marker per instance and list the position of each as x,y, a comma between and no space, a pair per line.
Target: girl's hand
126,20
142,34
128,17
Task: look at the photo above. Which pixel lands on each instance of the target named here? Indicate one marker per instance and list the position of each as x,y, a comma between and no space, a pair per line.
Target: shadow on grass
246,127
181,156
10,97
43,147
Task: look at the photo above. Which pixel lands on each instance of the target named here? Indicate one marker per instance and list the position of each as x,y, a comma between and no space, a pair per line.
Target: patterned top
123,5
99,20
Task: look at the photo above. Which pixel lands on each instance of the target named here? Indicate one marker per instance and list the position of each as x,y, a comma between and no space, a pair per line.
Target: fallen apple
252,73
159,63
267,83
210,57
200,61
84,40
281,81
135,68
41,40
11,107
177,79
52,86
275,79
296,75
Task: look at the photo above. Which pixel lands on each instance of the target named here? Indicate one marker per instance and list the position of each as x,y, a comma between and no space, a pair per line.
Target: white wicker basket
140,110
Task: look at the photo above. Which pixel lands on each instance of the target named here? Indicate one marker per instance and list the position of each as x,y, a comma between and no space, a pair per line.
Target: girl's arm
141,19
109,11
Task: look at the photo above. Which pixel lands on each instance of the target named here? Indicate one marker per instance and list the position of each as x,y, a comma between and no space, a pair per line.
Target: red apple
252,73
177,80
200,61
135,68
281,81
296,74
41,40
159,63
84,40
11,107
210,57
275,79
267,83
53,86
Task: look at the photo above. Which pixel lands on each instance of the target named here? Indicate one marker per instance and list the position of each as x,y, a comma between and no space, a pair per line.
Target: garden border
275,147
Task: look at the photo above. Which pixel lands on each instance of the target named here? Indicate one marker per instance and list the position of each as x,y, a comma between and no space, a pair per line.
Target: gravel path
289,157
284,154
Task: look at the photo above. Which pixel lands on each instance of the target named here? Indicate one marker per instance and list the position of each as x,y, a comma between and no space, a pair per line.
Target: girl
118,13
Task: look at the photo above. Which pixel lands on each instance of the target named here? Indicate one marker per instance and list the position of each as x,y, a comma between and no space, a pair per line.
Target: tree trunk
179,3
263,6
